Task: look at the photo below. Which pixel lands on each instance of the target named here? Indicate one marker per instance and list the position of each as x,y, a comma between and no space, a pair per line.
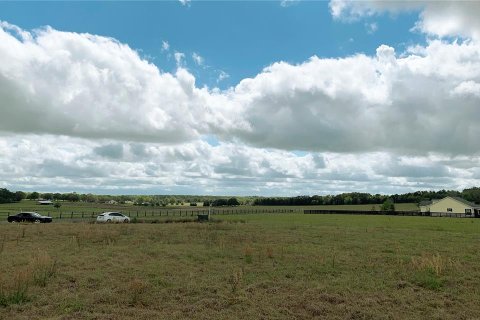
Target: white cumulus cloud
91,86
359,103
439,18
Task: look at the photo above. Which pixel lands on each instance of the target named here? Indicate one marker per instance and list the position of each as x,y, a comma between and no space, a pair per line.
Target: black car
29,217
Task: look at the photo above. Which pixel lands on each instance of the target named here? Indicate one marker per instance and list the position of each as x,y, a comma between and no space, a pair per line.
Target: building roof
465,202
425,203
468,203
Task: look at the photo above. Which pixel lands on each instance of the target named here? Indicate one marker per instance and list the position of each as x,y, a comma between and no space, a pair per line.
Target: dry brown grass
327,267
42,267
136,289
236,280
432,262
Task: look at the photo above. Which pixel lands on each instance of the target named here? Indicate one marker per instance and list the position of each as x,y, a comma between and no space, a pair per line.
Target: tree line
7,196
470,194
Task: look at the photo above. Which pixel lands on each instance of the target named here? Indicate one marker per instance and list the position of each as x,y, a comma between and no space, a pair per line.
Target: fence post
71,215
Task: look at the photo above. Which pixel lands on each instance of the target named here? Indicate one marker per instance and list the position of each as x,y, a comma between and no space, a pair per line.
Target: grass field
284,266
92,209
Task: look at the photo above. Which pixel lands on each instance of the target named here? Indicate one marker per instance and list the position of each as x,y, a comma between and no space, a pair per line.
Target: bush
388,205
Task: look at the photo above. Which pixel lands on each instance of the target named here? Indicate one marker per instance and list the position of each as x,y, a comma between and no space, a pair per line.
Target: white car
112,217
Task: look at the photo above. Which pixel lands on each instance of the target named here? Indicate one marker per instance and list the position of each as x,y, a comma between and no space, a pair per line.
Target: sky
270,98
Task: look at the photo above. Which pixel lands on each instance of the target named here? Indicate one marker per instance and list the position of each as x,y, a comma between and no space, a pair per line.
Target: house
451,205
44,202
111,202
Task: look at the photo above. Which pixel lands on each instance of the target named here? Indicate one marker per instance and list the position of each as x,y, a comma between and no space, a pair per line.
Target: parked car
112,217
29,217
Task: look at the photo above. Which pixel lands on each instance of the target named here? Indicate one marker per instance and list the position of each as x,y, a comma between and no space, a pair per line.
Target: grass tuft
248,253
17,294
269,252
137,288
236,280
429,270
43,267
433,263
2,243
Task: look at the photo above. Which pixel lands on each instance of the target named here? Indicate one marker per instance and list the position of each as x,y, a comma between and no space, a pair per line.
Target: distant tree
57,205
233,202
471,194
388,205
74,197
90,198
47,196
220,202
34,195
20,195
6,196
347,200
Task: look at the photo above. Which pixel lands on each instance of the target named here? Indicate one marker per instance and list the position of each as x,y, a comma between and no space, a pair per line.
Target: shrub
388,205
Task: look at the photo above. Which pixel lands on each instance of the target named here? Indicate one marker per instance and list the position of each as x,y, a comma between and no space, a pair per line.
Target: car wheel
13,221
108,221
36,221
126,221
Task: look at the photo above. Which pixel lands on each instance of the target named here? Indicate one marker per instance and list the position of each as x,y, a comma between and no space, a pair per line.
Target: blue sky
237,37
239,98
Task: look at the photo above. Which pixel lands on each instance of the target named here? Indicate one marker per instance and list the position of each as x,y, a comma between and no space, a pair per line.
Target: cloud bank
81,85
85,112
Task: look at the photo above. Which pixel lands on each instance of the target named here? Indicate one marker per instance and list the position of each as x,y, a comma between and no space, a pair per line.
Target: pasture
79,210
269,266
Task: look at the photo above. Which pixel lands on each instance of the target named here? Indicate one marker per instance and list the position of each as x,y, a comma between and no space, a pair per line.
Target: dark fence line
393,213
157,213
